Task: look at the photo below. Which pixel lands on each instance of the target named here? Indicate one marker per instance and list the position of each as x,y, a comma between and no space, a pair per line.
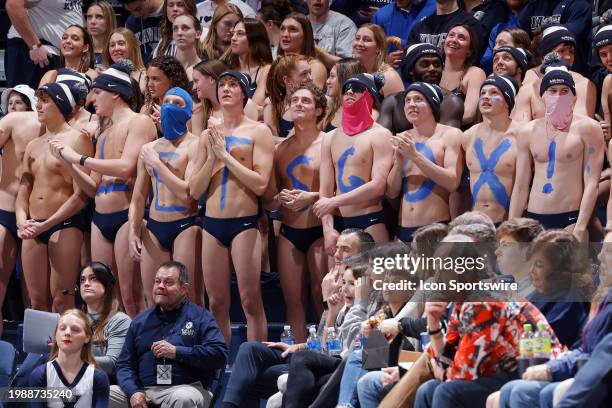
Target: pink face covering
559,109
357,117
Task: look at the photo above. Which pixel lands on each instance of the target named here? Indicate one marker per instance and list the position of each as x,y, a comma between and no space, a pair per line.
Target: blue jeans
254,374
459,393
370,389
351,374
527,394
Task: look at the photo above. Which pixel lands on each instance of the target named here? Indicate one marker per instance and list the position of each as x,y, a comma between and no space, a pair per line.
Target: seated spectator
539,382
173,9
490,14
510,61
76,53
18,99
340,72
514,237
398,17
251,55
217,40
144,21
171,351
370,47
272,16
100,22
513,37
561,277
333,32
207,8
108,325
258,365
460,76
123,45
71,358
186,36
297,37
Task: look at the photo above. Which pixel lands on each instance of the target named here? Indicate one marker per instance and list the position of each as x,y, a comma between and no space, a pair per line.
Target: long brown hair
275,86
132,45
308,45
470,59
209,47
88,58
86,351
380,39
166,24
260,52
345,68
109,17
104,275
213,69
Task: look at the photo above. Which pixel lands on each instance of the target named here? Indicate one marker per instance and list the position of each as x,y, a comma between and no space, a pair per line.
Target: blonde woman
122,44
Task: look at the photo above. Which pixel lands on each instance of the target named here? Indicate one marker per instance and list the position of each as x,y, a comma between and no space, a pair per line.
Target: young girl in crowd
123,45
163,73
340,72
173,9
18,99
219,36
186,32
272,17
76,52
370,47
296,36
286,73
71,365
100,22
460,76
109,326
251,55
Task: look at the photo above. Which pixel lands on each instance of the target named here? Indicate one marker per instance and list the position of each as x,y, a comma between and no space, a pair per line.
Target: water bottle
333,342
313,342
357,346
541,345
525,348
287,336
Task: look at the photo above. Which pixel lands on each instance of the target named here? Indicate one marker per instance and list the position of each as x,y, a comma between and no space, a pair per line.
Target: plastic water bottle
333,342
357,346
287,336
525,349
313,342
541,344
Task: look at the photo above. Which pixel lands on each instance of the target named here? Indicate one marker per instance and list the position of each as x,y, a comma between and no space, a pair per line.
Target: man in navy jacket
171,351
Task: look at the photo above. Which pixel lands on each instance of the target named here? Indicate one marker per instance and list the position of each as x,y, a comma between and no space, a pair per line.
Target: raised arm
524,171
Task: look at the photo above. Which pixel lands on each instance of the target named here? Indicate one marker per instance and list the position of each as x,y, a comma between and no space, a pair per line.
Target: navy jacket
573,14
398,22
200,348
147,32
593,333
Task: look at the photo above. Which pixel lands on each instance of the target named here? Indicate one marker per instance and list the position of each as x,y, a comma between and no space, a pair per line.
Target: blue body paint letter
428,185
299,160
354,181
230,141
178,208
550,170
488,176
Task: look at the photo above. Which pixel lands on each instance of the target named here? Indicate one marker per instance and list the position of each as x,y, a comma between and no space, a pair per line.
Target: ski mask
174,118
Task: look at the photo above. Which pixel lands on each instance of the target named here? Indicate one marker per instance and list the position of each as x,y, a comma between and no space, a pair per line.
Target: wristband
83,158
432,332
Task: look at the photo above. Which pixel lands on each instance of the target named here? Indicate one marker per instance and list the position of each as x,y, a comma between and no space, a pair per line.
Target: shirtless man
423,63
49,203
295,186
355,162
512,62
17,129
565,165
236,167
165,165
529,104
113,170
427,162
490,148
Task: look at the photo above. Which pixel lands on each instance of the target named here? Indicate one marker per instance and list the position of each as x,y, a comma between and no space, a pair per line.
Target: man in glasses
355,163
427,162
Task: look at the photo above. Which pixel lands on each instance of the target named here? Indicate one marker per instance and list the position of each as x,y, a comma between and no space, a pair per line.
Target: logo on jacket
188,330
